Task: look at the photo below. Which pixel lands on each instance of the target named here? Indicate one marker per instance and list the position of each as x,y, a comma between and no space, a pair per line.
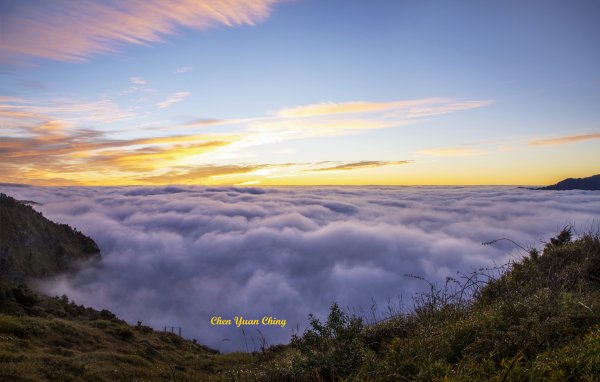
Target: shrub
146,329
124,333
331,350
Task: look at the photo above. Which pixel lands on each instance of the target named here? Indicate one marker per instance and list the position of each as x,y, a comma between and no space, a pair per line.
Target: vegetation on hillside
54,339
537,319
32,246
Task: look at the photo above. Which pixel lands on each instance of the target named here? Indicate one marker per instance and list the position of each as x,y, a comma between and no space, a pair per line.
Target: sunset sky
306,92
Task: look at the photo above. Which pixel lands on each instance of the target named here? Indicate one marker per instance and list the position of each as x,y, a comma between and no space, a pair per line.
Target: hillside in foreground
52,339
32,246
537,319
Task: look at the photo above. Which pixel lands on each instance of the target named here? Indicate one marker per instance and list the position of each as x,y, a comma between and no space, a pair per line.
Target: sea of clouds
177,256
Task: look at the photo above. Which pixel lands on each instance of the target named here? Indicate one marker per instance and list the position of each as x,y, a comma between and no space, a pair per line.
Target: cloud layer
567,139
177,256
65,142
74,31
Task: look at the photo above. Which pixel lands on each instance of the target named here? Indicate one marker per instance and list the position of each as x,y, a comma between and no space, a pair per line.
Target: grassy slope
43,338
538,319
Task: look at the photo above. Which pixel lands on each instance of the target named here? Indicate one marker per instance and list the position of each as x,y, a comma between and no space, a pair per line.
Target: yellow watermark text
240,321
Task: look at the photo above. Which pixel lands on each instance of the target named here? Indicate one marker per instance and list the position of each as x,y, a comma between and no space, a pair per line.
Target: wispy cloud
197,174
85,141
74,31
14,110
566,139
138,84
360,165
184,69
152,157
328,108
177,97
138,81
333,119
418,107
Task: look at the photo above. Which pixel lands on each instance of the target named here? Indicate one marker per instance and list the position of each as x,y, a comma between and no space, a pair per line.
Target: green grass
56,340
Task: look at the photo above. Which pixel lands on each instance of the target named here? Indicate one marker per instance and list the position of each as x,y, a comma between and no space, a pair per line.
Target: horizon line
7,184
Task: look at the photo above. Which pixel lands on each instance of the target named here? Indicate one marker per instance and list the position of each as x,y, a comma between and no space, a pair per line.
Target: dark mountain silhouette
3,184
591,183
32,246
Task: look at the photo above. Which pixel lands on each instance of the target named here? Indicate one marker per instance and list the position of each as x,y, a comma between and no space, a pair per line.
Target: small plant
331,350
562,238
143,328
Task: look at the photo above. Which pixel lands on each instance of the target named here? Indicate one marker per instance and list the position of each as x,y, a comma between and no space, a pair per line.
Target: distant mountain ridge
591,183
32,246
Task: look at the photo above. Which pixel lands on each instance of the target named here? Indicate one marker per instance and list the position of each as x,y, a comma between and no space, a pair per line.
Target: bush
123,333
24,296
331,350
146,329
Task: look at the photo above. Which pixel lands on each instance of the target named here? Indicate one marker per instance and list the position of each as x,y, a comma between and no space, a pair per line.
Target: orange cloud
152,158
52,150
92,162
197,174
46,141
564,139
37,143
359,165
76,30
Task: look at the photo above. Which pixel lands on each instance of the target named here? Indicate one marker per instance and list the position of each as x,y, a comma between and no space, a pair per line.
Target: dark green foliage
123,333
331,350
147,329
534,253
562,238
20,300
24,296
32,246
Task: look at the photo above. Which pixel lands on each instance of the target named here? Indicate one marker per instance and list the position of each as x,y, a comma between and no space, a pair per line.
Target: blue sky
418,92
